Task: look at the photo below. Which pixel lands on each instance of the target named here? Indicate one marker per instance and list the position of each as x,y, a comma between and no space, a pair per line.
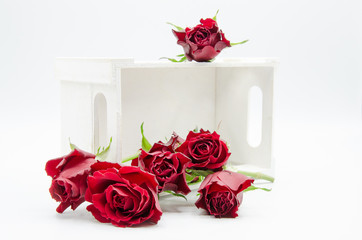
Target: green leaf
180,55
252,188
189,177
214,18
196,129
145,143
200,179
170,59
102,153
72,146
183,59
238,43
176,194
129,158
175,26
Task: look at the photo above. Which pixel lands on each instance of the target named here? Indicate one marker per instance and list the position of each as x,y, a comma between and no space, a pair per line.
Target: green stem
257,175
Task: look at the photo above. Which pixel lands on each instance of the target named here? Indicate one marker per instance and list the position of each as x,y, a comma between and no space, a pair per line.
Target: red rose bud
221,193
69,175
168,167
203,42
206,150
123,196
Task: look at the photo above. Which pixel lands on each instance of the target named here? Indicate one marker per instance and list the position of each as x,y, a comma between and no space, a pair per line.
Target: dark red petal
200,203
76,204
206,182
77,166
205,54
175,141
157,212
99,201
138,176
62,206
179,35
227,42
51,167
76,162
104,165
96,213
102,179
185,46
220,46
208,23
235,181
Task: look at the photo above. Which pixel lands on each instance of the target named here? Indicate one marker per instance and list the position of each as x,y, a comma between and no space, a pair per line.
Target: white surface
317,193
318,136
168,98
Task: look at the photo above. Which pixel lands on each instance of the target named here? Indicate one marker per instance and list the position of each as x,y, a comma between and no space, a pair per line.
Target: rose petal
96,213
179,35
138,176
205,54
236,181
104,165
208,23
220,46
102,179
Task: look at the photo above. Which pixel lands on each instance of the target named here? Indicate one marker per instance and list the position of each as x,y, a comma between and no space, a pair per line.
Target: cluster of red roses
128,195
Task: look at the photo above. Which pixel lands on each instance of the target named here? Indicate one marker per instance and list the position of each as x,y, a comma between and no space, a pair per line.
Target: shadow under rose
81,215
171,203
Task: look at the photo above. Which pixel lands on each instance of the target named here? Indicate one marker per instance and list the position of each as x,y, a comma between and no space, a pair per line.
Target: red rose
206,150
69,175
168,167
203,42
123,196
221,193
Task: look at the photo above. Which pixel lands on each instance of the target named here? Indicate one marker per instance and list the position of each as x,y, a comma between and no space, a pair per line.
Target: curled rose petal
221,193
69,178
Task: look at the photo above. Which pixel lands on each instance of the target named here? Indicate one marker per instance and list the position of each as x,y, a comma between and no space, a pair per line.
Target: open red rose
203,42
221,193
168,167
69,175
123,196
206,150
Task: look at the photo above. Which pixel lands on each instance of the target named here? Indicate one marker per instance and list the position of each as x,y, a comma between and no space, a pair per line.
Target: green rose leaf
214,18
102,152
175,26
145,143
182,59
72,146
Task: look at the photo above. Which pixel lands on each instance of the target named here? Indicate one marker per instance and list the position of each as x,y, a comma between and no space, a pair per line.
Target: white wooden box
104,97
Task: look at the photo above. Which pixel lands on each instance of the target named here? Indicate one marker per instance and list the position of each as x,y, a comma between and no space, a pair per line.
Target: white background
318,97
